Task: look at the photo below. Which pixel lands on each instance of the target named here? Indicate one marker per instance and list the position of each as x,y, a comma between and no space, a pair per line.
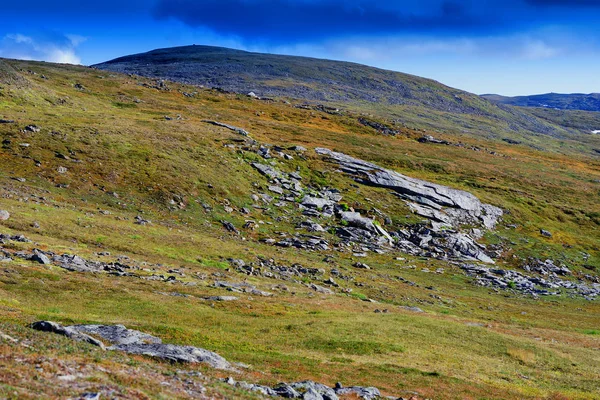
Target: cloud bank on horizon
301,20
526,45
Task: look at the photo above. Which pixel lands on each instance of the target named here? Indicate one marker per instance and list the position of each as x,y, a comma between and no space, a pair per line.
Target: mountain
402,99
576,101
162,240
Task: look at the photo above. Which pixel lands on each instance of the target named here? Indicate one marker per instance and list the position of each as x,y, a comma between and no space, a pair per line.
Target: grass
470,342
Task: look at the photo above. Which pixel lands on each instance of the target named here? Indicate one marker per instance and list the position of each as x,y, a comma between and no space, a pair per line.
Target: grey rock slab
267,170
40,257
176,353
117,334
76,263
221,298
430,213
418,190
54,327
241,131
135,342
378,176
355,219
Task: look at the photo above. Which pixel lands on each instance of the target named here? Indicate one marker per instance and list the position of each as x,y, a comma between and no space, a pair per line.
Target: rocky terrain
159,240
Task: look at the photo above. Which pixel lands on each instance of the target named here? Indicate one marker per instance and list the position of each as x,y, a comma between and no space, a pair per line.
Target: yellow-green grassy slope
471,342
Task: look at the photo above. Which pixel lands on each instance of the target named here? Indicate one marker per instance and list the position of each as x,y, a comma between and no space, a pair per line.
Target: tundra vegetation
125,207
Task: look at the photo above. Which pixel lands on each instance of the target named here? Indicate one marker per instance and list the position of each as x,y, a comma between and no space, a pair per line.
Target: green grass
297,334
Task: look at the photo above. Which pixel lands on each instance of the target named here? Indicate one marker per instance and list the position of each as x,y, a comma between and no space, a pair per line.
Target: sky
508,47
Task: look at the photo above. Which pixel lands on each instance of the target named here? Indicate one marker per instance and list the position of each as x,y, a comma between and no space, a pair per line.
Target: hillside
575,101
269,242
403,100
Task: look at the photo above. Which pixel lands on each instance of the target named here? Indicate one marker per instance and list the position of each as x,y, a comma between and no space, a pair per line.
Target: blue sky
509,47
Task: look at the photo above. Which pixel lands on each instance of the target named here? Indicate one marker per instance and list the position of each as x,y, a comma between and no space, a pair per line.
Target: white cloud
53,48
534,49
18,38
62,56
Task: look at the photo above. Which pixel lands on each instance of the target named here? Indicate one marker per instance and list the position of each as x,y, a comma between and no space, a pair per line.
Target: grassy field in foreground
124,159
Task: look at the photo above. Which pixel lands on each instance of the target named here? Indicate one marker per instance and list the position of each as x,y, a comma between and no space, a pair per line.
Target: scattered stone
221,298
139,220
315,202
230,227
4,215
267,170
413,309
431,139
320,289
32,128
299,149
545,233
90,396
61,170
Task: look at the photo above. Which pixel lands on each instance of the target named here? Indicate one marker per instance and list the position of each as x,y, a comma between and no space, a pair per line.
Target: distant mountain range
400,98
575,101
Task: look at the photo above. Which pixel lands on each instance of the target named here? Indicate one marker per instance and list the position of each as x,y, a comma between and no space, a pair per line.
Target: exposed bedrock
436,202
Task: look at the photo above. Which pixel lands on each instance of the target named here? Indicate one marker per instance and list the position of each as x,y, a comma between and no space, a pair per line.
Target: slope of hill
404,99
575,101
219,221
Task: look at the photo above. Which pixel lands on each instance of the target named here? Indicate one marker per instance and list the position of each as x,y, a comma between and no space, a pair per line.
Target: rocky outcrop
308,390
548,284
431,200
134,342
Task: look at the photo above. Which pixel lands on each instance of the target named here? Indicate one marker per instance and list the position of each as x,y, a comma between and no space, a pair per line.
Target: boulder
4,215
545,233
366,393
40,257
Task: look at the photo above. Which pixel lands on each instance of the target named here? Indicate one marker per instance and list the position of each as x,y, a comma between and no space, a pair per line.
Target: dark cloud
284,20
565,3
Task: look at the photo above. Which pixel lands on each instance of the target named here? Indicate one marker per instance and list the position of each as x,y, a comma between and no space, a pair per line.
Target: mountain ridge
417,102
560,101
